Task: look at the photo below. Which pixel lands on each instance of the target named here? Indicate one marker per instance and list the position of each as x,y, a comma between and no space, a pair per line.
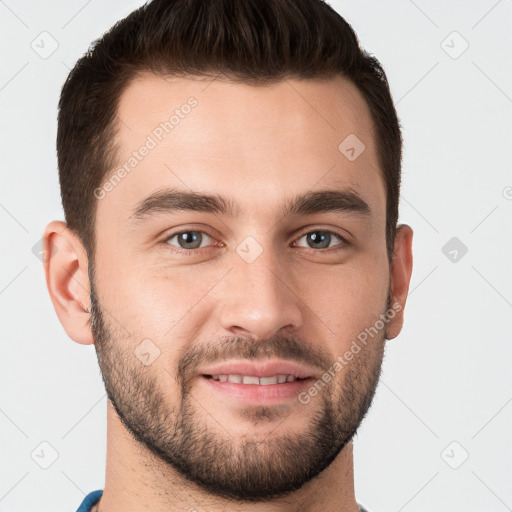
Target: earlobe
401,270
67,280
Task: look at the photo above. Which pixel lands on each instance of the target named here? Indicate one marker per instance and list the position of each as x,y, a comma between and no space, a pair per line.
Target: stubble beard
186,439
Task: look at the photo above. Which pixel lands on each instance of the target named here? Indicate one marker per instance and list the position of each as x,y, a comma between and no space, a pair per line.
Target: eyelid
343,240
189,230
310,229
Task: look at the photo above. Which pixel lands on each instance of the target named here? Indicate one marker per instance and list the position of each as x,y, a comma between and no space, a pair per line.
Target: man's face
186,302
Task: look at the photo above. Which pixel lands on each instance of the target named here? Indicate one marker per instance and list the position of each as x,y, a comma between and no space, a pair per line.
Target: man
230,176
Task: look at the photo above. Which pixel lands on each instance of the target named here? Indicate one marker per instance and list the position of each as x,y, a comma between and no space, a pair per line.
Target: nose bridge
258,299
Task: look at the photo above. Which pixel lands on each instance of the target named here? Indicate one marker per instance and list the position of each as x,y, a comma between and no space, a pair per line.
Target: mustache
282,347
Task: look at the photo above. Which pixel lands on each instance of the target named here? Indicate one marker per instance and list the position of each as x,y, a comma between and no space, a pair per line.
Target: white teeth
248,379
267,380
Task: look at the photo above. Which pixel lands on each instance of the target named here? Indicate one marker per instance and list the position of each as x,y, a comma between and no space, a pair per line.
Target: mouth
256,383
251,379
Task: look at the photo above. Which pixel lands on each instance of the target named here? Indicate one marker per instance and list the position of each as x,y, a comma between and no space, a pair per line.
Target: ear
401,270
66,269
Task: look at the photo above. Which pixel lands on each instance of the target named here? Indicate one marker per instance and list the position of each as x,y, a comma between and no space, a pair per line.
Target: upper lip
259,369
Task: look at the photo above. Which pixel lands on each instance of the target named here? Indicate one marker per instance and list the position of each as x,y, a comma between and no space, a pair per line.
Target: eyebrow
173,200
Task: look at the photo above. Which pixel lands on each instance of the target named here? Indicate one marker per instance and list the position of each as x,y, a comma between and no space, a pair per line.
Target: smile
249,379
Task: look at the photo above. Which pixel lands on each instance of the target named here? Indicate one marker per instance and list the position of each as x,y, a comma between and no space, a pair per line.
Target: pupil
190,238
320,237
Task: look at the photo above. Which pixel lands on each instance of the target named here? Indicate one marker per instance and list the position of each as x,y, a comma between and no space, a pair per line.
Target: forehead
257,144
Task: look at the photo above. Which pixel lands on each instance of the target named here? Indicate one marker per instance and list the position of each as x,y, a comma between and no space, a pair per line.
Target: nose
260,299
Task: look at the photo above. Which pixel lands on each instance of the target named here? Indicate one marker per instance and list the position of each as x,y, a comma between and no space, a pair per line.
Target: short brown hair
247,41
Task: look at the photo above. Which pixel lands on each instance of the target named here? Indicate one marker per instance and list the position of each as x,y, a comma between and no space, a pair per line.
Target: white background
445,379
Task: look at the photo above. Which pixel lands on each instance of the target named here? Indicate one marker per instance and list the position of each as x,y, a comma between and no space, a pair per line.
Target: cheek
170,306
347,299
163,306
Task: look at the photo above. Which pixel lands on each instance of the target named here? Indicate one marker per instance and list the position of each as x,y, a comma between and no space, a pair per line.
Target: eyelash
191,252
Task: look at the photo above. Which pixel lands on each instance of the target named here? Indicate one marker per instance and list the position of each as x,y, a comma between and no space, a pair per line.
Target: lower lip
258,394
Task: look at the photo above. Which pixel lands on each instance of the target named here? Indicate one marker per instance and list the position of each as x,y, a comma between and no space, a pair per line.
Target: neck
137,481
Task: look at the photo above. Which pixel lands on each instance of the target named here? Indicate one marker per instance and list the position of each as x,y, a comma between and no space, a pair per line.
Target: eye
321,239
189,240
192,240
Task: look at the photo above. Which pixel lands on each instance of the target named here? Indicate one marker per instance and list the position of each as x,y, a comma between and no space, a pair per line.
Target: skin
259,146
